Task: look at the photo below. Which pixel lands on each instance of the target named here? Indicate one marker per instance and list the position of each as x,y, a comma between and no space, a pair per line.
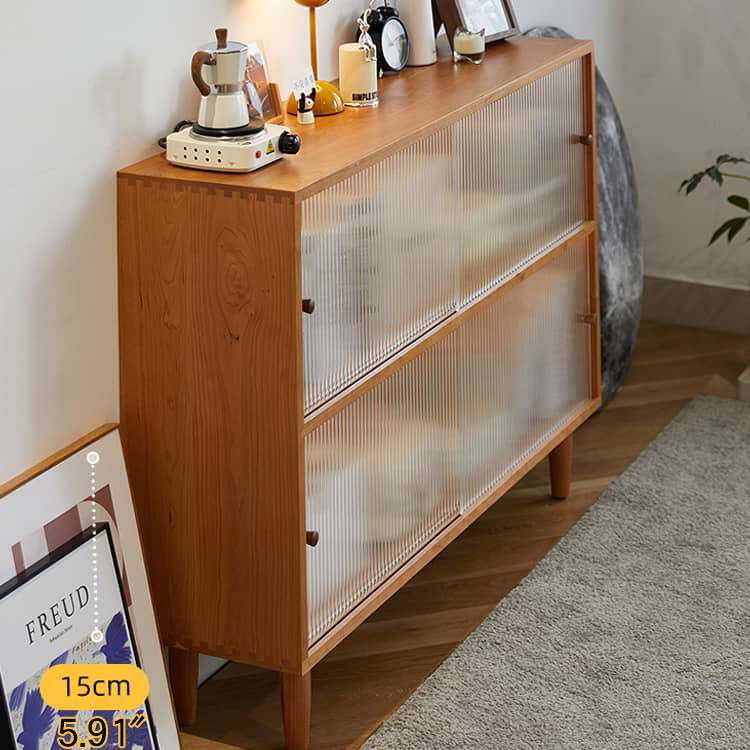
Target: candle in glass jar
469,45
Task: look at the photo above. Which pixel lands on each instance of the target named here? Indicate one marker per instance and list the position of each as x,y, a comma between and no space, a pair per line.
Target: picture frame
47,507
262,95
497,17
36,598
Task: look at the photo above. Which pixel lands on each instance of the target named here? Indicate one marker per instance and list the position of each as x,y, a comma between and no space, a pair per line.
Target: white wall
687,101
91,87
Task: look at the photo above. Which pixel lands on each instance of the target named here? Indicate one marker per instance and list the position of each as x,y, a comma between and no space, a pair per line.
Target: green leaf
694,184
727,159
740,201
715,175
691,183
723,229
737,227
731,228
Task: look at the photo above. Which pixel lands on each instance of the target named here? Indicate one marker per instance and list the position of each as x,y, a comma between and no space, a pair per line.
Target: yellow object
328,100
103,687
312,5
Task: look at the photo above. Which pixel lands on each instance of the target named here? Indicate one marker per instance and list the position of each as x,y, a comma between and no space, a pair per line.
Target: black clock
389,36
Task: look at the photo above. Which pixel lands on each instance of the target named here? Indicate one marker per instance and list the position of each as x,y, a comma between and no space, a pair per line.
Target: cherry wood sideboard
332,366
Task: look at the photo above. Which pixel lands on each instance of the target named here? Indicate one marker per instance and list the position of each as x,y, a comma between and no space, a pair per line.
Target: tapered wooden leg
295,708
561,469
183,678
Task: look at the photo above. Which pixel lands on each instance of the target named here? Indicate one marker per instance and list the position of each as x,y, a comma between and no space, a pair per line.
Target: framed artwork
496,17
45,524
262,95
48,620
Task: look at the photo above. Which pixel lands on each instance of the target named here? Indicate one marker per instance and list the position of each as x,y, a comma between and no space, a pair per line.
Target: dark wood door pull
586,140
308,306
312,538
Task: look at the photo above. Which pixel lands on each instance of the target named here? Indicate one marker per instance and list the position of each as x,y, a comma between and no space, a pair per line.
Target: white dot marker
93,458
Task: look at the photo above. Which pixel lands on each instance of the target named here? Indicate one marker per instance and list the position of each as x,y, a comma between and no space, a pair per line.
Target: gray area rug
633,632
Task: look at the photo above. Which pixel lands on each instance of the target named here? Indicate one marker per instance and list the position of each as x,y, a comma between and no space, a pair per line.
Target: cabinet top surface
413,104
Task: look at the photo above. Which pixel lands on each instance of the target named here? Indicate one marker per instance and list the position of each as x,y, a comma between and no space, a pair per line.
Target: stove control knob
289,143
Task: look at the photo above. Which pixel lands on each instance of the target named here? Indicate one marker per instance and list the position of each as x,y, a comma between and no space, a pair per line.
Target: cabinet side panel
589,94
211,409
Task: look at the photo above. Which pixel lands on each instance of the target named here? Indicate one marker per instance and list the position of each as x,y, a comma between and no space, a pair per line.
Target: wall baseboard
208,666
696,305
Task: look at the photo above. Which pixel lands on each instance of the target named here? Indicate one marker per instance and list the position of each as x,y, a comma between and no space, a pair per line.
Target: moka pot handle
201,58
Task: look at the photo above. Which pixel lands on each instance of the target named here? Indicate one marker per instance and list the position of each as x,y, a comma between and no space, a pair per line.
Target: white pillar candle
358,77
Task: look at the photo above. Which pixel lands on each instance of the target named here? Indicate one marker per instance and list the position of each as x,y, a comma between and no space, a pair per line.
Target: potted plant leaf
722,170
718,173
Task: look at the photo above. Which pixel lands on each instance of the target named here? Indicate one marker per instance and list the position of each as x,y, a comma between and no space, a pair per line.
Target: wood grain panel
413,104
211,402
183,677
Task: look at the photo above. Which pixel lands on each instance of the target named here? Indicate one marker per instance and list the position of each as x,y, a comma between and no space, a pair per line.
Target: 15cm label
108,687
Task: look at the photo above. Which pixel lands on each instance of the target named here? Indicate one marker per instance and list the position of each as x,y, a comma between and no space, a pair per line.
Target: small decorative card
304,83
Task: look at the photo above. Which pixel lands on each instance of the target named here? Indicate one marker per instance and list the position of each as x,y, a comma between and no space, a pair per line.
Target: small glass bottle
469,46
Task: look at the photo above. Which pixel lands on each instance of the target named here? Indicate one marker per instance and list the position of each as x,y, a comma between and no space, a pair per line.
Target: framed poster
496,17
48,614
44,515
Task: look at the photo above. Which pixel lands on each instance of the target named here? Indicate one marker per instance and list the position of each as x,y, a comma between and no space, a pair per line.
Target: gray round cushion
620,241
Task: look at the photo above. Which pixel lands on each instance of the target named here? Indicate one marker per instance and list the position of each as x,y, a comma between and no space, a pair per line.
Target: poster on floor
53,598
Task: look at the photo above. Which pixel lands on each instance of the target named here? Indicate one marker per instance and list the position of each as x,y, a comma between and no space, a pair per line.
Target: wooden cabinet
360,348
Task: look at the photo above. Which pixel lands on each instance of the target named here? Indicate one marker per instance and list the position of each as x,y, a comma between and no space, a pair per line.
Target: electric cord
177,128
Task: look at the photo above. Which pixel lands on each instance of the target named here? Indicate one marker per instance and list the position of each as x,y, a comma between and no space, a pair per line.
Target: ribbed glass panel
379,260
392,250
524,370
378,484
520,177
389,471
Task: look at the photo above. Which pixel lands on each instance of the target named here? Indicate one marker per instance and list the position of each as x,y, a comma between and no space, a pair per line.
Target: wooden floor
372,672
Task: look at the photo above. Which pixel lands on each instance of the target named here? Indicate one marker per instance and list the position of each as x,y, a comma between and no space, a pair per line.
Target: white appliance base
225,155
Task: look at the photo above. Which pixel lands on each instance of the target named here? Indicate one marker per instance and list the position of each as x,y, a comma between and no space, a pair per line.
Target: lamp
328,99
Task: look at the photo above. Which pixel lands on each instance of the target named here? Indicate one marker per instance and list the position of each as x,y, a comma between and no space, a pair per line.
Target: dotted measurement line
96,635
